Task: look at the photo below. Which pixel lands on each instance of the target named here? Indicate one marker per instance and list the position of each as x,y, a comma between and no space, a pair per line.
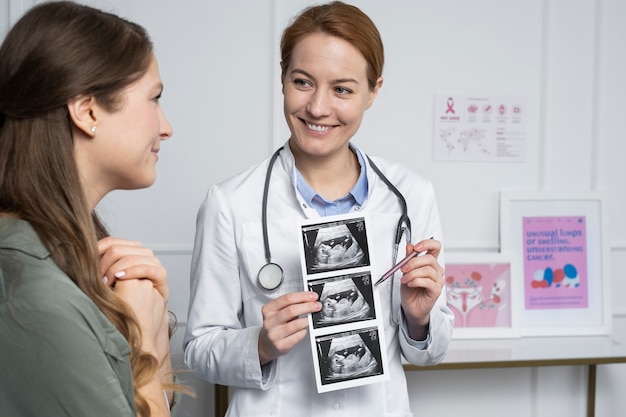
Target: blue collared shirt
351,201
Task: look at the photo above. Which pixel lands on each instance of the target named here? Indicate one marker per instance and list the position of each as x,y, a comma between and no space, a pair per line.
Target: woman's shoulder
19,235
33,285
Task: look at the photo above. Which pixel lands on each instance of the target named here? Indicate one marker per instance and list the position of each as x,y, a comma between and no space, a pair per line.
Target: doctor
249,337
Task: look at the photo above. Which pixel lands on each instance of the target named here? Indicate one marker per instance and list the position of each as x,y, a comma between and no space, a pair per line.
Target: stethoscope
271,274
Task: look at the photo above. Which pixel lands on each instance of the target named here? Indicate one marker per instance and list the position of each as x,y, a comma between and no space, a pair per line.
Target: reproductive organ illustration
478,296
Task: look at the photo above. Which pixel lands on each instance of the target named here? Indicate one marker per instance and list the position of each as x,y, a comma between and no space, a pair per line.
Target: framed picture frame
482,295
558,243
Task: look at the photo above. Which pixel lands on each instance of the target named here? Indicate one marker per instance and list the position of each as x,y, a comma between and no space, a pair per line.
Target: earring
93,129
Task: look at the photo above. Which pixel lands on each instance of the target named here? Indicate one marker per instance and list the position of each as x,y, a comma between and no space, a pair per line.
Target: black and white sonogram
336,245
345,299
350,355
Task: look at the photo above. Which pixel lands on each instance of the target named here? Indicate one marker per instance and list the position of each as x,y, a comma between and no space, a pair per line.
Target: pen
399,265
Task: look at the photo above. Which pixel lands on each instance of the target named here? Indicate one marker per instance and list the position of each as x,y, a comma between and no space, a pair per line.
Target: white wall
220,67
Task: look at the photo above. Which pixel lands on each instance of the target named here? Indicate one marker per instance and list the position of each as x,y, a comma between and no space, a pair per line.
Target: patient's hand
122,259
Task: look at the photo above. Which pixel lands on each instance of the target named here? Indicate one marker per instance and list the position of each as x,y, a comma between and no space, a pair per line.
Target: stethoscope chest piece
270,276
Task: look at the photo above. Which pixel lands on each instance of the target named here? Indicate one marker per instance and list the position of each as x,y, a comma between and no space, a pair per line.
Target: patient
85,326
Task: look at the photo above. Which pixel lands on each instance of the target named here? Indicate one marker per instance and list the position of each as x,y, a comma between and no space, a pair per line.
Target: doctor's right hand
285,323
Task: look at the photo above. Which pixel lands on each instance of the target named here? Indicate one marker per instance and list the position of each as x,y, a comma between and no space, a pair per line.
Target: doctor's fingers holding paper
285,323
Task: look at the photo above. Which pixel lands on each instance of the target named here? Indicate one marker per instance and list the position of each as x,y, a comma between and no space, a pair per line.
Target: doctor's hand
285,323
422,283
122,259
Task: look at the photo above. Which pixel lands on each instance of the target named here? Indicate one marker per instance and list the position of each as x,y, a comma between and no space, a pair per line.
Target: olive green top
59,355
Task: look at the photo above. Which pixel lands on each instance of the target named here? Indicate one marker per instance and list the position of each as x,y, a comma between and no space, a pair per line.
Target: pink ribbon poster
555,262
480,128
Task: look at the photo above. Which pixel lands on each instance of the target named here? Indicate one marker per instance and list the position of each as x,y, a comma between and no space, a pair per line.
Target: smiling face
122,152
326,94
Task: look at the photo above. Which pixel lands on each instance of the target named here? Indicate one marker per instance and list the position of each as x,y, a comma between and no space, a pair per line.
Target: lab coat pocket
251,402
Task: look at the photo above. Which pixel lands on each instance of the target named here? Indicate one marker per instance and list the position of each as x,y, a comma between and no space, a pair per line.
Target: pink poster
479,294
555,262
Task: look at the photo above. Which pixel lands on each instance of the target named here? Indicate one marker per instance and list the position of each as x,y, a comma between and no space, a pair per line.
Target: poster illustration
559,259
479,295
480,128
555,262
346,335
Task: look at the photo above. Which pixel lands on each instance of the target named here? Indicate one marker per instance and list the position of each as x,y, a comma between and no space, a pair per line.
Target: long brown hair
341,20
57,52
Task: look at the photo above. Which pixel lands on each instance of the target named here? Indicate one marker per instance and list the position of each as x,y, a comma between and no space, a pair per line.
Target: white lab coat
224,321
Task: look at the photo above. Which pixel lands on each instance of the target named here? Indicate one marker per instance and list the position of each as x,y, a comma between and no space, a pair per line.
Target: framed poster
559,255
482,295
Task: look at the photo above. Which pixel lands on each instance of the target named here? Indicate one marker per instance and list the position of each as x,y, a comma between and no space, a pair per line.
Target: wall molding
16,8
595,126
165,249
544,95
618,313
619,246
186,249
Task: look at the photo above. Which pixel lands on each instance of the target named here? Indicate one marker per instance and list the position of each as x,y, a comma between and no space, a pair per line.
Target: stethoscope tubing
268,176
404,218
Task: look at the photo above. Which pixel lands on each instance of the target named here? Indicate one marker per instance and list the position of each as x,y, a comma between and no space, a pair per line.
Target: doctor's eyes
302,84
342,91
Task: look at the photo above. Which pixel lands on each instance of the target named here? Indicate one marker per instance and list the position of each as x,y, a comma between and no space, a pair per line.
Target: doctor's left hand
422,283
285,323
122,259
